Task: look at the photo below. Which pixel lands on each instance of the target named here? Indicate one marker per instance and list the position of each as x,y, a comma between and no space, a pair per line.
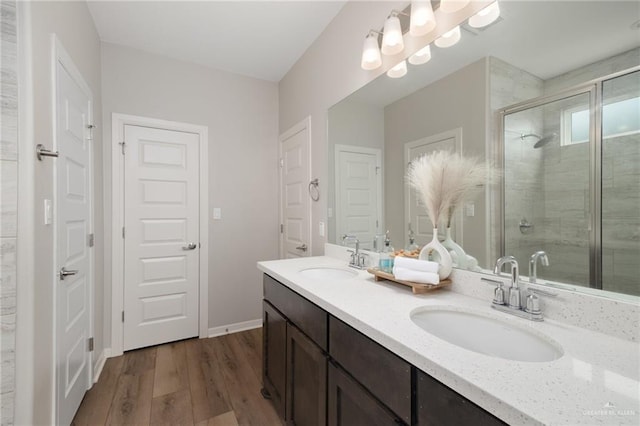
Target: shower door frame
594,89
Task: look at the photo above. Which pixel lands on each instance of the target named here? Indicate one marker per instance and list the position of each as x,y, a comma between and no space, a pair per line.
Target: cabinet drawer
384,374
441,406
309,318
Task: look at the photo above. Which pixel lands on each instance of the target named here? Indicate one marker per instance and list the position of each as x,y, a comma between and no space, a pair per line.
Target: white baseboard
102,358
234,328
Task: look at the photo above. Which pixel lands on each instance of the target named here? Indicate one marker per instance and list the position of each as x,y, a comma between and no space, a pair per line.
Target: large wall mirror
550,93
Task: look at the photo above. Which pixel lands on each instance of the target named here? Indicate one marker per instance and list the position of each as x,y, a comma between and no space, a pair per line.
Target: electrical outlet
321,229
470,209
217,213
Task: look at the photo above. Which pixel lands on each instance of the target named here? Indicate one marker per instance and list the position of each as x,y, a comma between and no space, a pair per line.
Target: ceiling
261,39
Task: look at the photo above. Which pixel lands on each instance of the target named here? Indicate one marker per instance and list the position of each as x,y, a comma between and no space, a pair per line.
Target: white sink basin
328,273
486,335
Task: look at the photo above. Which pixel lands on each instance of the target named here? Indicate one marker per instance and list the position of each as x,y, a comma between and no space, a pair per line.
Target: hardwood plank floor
204,382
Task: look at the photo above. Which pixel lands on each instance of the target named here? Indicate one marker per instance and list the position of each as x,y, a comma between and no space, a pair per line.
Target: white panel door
73,254
295,200
358,189
415,212
161,236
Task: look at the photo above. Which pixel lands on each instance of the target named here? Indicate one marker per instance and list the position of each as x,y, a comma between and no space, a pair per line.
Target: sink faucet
357,258
514,291
533,263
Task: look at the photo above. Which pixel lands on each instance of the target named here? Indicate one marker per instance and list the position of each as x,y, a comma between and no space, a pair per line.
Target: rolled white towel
416,264
416,276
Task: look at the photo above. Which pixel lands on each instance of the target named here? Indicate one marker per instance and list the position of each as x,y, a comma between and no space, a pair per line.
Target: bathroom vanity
345,351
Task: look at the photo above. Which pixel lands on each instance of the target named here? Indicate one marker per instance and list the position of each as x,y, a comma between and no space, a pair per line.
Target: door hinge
123,232
122,146
281,162
281,228
90,240
90,344
122,316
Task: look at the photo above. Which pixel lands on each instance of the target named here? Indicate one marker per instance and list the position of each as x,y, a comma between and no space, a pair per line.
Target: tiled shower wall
8,205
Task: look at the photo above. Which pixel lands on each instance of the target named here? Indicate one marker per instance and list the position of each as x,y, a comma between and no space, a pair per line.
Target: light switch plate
217,213
321,229
470,209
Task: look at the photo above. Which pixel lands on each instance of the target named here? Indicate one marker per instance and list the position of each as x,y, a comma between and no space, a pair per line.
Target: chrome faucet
514,291
533,263
357,258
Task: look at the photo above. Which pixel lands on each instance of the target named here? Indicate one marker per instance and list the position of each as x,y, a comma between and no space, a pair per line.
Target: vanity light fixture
422,20
449,38
485,16
399,70
371,58
392,42
422,56
450,6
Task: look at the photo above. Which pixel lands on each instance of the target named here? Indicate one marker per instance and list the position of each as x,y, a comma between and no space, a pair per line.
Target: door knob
303,247
64,272
191,246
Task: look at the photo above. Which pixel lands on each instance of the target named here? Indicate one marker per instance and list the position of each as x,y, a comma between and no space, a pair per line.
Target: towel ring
314,191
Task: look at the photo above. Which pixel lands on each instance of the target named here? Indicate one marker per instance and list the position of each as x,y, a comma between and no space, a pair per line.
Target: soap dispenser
386,261
412,241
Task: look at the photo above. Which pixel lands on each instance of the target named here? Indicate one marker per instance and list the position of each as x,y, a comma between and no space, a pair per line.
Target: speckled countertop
595,382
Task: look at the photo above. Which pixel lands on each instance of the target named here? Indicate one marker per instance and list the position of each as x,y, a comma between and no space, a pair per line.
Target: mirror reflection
571,159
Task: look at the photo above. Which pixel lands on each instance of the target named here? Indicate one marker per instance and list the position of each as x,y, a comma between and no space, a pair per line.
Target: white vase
436,252
461,256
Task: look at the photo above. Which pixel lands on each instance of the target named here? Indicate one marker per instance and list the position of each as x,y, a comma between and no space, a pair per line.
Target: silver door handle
64,272
191,246
303,247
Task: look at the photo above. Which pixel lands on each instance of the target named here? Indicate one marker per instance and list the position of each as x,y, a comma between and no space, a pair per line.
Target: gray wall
457,100
8,206
73,25
241,114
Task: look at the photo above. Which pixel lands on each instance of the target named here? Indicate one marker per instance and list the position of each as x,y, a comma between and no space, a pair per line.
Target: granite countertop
596,381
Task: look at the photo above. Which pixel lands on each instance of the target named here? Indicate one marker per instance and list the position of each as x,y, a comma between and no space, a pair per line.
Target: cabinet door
440,406
351,405
274,359
306,380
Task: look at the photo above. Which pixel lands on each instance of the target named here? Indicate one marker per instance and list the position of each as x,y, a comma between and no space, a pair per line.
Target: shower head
542,140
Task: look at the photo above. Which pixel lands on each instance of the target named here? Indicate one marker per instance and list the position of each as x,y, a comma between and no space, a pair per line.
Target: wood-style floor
214,382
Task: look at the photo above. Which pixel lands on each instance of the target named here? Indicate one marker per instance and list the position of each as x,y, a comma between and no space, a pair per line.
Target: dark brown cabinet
439,405
306,380
274,358
350,404
319,371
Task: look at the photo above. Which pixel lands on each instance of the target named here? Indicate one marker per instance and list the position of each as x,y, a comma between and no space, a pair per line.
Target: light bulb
485,16
398,71
450,6
449,38
422,18
422,56
392,41
371,53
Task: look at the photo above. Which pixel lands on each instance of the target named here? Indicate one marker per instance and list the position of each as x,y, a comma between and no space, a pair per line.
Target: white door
73,254
295,202
358,193
161,236
416,216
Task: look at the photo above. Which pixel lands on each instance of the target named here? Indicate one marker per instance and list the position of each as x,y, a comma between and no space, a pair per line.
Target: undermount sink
328,273
486,335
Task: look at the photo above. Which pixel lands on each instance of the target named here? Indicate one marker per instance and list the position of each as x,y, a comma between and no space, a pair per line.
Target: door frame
61,57
302,126
456,135
340,148
118,121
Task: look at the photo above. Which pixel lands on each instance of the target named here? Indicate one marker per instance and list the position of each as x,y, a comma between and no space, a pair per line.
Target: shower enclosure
572,183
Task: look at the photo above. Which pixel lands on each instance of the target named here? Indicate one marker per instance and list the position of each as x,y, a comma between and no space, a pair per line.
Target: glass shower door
620,115
547,186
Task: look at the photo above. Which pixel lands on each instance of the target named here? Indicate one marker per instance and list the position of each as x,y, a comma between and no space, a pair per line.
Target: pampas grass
443,179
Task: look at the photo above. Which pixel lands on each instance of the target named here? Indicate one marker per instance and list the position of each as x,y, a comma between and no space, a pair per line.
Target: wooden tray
417,288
